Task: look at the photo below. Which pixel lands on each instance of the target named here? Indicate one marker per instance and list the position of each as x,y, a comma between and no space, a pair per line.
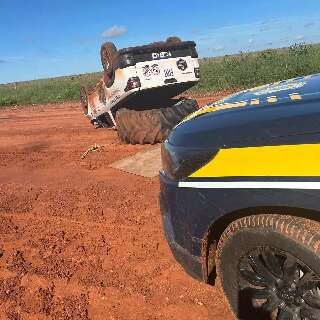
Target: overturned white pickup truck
135,94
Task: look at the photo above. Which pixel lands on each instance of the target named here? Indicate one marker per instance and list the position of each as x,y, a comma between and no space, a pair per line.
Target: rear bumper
157,95
168,196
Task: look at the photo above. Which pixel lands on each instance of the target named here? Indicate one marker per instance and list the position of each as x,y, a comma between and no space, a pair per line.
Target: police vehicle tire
151,126
269,267
108,54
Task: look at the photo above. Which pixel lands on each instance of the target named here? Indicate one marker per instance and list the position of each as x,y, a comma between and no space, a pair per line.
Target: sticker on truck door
182,64
168,73
149,71
146,71
161,55
155,69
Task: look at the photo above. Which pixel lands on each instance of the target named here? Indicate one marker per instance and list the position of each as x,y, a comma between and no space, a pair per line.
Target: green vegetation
247,70
240,71
59,89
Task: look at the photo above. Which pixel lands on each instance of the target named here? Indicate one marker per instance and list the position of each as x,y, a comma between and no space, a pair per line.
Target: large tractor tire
108,54
84,99
173,40
151,126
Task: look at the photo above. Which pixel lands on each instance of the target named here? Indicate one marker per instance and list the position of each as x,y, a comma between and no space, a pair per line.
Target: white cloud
309,24
114,31
11,59
276,34
196,31
217,48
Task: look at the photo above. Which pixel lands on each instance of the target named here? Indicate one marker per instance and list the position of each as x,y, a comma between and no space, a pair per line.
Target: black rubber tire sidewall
108,53
84,100
173,40
243,241
151,126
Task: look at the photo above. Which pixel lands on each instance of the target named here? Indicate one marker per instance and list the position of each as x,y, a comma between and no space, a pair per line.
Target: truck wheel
151,126
269,267
108,54
173,40
84,100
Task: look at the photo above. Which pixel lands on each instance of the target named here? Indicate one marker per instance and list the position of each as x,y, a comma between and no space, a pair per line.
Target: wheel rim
279,284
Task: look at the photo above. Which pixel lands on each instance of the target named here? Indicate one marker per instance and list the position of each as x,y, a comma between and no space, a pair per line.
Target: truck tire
108,54
151,126
173,40
269,267
84,100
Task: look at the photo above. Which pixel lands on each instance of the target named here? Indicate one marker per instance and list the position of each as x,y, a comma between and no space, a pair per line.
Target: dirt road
79,240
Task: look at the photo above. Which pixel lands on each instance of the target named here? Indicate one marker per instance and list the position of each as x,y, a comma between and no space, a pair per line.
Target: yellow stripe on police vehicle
215,107
272,99
254,102
295,96
268,89
265,161
229,105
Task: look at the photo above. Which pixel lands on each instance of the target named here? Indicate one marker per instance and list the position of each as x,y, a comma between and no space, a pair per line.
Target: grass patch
59,89
248,70
240,71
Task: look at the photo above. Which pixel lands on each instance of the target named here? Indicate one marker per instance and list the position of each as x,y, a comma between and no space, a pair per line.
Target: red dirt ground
79,240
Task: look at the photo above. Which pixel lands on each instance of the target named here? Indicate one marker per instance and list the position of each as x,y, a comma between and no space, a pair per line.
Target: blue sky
47,38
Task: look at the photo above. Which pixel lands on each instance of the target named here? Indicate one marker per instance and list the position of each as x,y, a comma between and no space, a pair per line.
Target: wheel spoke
256,293
310,313
260,268
272,263
296,316
312,299
253,278
308,282
283,314
291,270
280,285
271,304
